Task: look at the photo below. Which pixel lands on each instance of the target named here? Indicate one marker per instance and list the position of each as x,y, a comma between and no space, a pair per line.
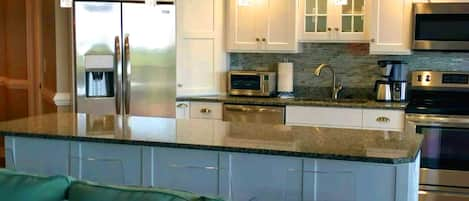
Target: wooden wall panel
2,38
48,106
3,104
17,103
48,45
15,39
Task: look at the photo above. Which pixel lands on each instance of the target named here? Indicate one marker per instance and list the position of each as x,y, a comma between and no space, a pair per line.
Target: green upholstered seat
87,191
16,186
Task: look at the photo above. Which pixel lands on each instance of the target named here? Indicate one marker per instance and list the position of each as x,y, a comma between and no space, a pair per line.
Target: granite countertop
295,141
274,101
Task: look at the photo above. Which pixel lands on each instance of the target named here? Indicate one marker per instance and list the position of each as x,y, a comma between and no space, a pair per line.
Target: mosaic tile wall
354,66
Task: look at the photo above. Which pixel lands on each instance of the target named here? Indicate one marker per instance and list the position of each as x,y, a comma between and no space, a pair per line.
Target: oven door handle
436,119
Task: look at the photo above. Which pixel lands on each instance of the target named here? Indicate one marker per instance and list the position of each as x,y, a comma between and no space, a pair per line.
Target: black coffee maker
394,77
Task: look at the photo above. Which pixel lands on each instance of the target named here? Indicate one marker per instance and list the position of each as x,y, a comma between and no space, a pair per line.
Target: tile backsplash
354,66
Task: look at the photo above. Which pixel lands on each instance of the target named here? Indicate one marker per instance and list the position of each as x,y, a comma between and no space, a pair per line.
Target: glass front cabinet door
333,20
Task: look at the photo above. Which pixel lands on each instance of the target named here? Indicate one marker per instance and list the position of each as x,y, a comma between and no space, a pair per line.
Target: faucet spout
335,87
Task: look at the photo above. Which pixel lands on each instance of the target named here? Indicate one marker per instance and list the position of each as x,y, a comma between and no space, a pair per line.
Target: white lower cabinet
324,116
188,170
383,119
107,163
374,119
37,156
206,110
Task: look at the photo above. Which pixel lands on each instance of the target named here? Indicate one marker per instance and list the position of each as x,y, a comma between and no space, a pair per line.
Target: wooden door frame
34,55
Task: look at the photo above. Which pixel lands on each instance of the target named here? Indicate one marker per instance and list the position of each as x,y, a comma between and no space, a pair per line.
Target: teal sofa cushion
16,186
88,191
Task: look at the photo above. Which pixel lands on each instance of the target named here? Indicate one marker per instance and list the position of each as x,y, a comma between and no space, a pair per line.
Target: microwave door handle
117,85
127,74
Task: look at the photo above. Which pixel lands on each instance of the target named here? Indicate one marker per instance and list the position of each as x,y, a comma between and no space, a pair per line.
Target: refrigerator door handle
117,47
127,74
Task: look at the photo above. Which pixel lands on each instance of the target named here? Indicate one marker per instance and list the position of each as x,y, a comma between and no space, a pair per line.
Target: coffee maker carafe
394,74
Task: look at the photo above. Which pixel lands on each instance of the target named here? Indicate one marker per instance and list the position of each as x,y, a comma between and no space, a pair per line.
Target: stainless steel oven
444,172
439,110
252,83
441,26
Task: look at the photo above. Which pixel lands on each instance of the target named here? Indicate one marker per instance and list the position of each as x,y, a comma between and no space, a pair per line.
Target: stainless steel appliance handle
117,87
245,73
127,74
437,119
246,109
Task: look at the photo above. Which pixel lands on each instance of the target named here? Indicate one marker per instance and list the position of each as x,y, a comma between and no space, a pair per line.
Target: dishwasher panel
254,114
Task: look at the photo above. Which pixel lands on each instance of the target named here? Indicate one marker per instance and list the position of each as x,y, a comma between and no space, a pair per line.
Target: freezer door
97,51
149,66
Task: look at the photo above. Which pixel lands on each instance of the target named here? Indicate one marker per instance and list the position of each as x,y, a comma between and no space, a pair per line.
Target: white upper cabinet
391,27
328,21
262,26
201,58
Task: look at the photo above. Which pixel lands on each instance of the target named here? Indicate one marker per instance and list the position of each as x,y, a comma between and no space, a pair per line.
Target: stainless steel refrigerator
125,58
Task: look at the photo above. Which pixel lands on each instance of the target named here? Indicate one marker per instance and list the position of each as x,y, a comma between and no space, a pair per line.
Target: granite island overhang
225,158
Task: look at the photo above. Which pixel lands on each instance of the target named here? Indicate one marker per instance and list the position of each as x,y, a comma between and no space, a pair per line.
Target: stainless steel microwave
441,26
252,83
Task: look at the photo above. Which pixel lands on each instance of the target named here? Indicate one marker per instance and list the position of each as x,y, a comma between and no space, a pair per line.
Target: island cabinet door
255,177
107,163
37,156
189,170
329,180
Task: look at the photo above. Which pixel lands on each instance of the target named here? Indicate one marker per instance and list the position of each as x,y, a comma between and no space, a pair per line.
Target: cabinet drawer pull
320,171
336,29
193,167
205,110
383,119
264,40
258,39
329,29
182,105
372,40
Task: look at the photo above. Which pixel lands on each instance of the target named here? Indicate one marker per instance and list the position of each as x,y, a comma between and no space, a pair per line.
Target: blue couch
15,186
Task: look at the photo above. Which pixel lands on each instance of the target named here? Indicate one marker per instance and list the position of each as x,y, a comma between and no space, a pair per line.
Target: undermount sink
358,101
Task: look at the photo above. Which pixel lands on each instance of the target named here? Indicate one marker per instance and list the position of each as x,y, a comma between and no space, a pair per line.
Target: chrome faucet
336,87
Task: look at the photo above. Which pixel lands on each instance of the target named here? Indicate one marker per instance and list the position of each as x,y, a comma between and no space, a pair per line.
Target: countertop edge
298,103
395,161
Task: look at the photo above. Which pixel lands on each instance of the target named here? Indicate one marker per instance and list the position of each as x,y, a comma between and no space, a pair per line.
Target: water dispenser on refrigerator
99,72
